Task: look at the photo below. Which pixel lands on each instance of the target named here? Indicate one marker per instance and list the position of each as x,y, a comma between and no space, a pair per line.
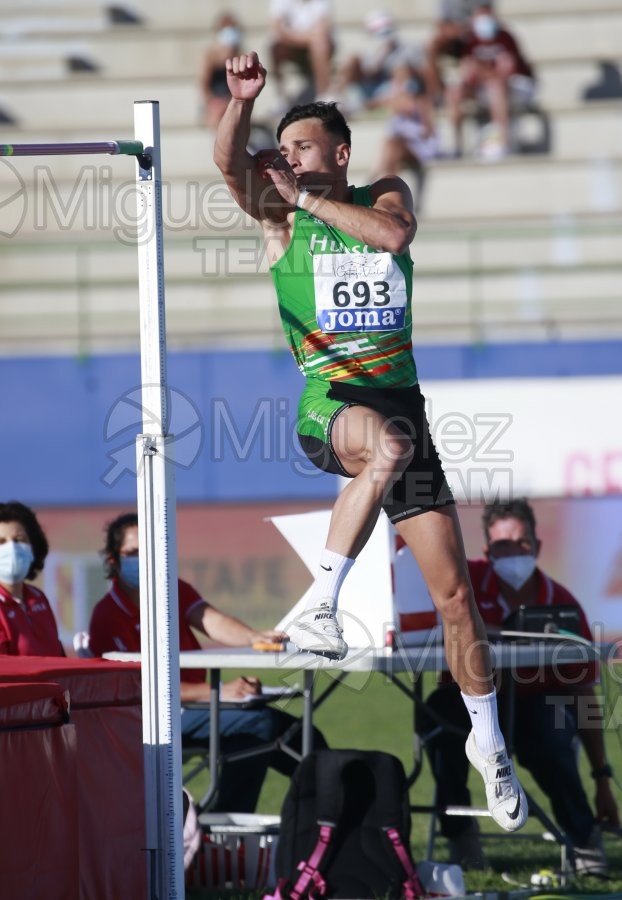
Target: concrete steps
21,21
54,67
91,325
43,60
102,196
98,104
200,15
529,284
101,318
177,34
539,189
238,314
179,50
474,251
105,103
520,282
526,248
590,132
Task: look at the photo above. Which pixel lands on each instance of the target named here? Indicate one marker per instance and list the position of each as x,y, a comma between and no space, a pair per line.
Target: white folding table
413,661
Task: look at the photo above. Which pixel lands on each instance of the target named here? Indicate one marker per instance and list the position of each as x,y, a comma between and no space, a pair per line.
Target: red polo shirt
494,609
28,628
115,625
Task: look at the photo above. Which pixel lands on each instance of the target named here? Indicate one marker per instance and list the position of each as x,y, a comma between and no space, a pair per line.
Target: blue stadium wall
69,423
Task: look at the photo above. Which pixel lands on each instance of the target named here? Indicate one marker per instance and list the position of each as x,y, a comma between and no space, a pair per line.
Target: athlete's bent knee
455,605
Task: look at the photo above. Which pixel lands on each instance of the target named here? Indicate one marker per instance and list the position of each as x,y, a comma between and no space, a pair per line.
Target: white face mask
229,36
514,570
485,27
15,561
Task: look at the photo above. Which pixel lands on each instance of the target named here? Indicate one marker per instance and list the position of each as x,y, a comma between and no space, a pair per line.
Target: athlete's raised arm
246,78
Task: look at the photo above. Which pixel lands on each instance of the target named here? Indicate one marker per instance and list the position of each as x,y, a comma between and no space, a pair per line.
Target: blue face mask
229,36
129,571
485,27
15,561
514,570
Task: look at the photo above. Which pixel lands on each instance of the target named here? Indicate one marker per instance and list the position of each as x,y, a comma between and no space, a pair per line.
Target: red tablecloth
38,786
92,682
105,711
25,703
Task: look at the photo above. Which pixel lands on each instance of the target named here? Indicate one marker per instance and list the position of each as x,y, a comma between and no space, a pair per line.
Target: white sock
332,570
485,722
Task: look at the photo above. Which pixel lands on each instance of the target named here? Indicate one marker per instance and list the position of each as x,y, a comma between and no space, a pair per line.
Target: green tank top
346,307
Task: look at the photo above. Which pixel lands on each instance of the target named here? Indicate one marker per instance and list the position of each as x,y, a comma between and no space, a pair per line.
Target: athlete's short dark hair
328,114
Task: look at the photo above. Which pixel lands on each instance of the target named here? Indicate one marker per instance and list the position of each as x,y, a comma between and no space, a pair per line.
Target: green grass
367,712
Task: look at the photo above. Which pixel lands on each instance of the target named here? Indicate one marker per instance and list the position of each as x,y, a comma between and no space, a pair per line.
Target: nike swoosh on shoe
514,814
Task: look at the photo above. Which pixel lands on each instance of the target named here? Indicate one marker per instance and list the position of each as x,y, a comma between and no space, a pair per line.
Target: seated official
552,706
115,625
27,623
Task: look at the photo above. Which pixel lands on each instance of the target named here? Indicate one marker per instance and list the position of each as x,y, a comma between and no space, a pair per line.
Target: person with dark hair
552,706
27,623
115,625
341,265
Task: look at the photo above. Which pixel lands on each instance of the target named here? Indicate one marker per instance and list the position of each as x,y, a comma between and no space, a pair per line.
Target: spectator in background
27,623
115,625
493,70
302,33
366,80
214,76
448,41
410,139
552,705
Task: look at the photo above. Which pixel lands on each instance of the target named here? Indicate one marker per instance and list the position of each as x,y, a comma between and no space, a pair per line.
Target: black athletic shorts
423,485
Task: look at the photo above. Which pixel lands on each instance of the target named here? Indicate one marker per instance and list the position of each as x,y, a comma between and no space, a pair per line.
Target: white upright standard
157,537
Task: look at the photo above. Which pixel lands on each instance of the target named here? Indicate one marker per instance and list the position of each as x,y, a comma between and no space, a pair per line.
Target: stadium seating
523,248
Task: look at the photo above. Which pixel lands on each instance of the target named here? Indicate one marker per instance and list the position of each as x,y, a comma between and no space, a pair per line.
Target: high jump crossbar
156,511
115,148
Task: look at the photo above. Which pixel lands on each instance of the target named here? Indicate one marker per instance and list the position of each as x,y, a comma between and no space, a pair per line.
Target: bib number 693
360,293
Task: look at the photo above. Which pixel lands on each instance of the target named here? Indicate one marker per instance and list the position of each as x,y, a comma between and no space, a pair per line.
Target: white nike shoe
317,631
505,797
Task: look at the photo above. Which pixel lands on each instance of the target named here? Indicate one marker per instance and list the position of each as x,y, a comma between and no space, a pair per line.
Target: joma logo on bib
361,320
359,292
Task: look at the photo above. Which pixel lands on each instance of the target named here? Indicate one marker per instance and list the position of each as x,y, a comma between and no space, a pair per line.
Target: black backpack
345,829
